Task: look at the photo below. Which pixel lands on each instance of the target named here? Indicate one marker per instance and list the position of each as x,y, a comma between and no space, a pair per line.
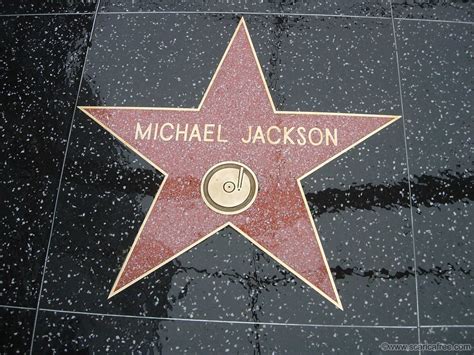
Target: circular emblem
229,187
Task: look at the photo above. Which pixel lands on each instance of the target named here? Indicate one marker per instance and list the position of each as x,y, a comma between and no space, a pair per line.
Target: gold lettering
268,134
162,136
138,131
333,137
258,135
208,132
301,131
183,132
219,139
250,135
286,135
320,136
195,133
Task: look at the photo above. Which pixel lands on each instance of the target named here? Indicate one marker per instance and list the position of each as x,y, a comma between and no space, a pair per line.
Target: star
236,121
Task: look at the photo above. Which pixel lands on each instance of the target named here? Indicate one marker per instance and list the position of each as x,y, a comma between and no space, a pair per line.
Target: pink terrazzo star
279,221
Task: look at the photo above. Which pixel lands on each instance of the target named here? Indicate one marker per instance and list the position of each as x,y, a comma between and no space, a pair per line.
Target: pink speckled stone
278,220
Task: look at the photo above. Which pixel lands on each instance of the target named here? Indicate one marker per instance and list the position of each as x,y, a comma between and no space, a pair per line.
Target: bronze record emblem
229,187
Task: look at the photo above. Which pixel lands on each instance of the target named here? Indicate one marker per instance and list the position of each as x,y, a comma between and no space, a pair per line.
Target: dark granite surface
47,7
41,60
380,8
15,330
436,68
450,10
225,294
90,334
